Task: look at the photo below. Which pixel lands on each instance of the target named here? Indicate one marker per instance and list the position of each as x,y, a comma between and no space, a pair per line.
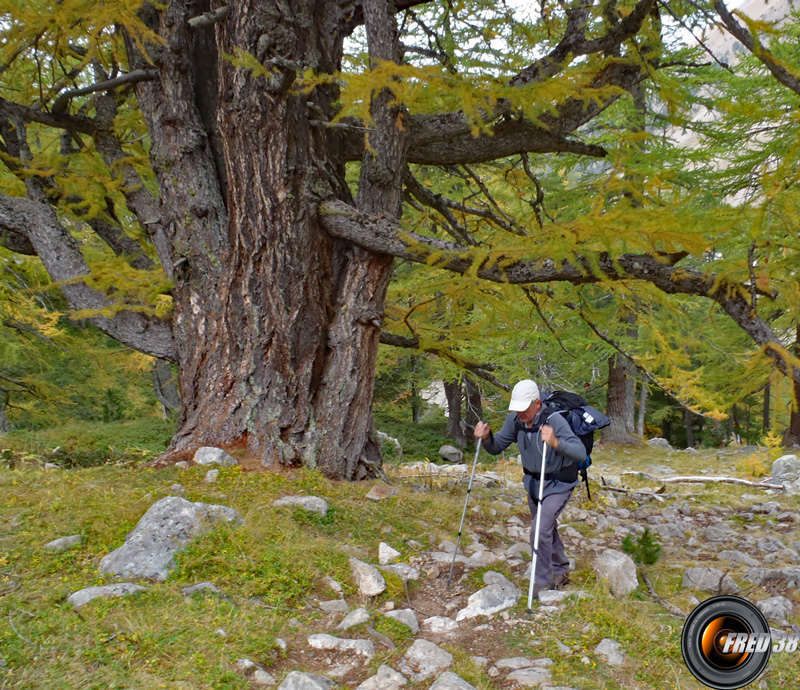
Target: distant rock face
368,579
709,580
313,504
166,528
451,454
121,589
208,455
619,570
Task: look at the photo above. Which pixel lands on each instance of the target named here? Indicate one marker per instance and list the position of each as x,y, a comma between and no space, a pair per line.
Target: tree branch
481,370
60,104
64,263
209,18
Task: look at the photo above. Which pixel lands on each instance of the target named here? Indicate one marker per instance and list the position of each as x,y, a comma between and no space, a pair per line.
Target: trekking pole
538,524
464,514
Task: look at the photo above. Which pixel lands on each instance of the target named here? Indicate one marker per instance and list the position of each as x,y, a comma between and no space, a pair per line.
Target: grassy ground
274,567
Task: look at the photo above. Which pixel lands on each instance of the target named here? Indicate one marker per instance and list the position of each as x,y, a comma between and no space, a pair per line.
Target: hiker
531,427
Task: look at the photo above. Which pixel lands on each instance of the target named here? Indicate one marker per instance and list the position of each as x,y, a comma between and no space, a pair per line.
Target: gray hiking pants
552,561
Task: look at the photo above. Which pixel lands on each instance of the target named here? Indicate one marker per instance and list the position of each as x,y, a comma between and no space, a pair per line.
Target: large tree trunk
621,401
640,417
276,324
455,430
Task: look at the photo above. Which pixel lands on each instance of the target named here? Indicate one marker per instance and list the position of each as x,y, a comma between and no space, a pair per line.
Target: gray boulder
297,680
737,556
489,600
719,533
424,660
121,589
531,677
440,625
368,579
777,608
386,554
610,651
709,580
363,648
313,504
166,528
403,570
64,543
450,681
385,679
406,617
786,469
619,570
208,455
451,454
353,619
659,443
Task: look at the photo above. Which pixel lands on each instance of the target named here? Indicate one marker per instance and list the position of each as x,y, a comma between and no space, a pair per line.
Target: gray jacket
570,450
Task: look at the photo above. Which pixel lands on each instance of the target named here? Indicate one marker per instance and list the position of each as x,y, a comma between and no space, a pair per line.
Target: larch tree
247,154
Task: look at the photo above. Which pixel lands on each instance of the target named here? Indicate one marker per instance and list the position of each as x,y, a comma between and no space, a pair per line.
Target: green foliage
645,549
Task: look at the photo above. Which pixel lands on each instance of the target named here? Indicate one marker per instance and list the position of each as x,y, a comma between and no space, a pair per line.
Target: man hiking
531,427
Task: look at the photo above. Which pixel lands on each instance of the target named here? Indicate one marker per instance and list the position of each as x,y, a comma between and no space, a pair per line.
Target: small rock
368,579
244,667
492,577
659,443
364,648
200,587
209,455
491,599
451,454
281,644
313,504
177,490
424,660
738,557
386,554
619,570
432,573
121,589
719,534
334,606
385,679
709,580
297,680
51,466
786,469
380,492
354,618
402,570
182,465
552,597
562,648
211,476
64,543
262,679
610,652
219,632
530,677
406,617
514,663
440,625
778,608
450,681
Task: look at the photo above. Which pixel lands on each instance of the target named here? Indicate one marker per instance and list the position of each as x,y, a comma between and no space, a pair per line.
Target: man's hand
548,436
482,431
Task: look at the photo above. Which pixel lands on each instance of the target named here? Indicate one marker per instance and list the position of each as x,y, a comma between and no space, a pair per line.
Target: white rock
211,476
530,677
177,490
354,618
64,543
406,617
209,455
386,554
313,504
402,570
514,663
619,570
245,667
364,648
335,606
492,577
121,589
786,469
659,443
489,600
385,679
262,679
451,454
552,597
424,660
368,579
776,608
610,652
166,528
709,580
297,680
450,681
440,625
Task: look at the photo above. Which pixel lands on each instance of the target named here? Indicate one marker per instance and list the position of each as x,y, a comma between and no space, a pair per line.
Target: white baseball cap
524,393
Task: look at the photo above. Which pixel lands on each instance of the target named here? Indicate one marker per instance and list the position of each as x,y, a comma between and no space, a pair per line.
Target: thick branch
60,104
481,370
209,18
64,263
382,234
72,123
743,35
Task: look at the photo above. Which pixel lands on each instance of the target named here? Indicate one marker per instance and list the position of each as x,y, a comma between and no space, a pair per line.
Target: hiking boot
561,581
